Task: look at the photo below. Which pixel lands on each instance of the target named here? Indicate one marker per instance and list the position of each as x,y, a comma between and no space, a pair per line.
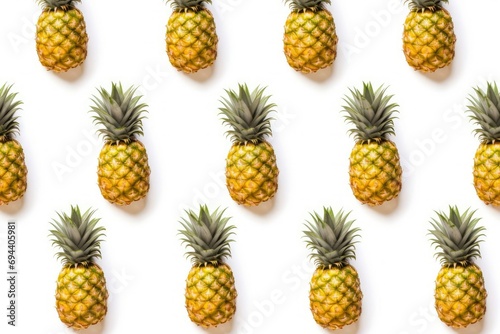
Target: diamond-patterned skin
335,296
460,295
210,294
13,172
191,40
487,173
310,40
429,39
61,39
81,295
123,172
251,173
375,172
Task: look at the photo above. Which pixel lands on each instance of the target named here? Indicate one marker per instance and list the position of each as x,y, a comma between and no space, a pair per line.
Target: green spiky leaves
120,113
485,112
331,238
78,237
371,113
55,4
208,236
178,5
247,114
8,108
314,5
421,5
456,236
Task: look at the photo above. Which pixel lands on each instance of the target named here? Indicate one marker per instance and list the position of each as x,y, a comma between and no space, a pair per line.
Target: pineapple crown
248,114
371,113
315,5
457,236
120,113
421,5
331,238
78,237
485,112
207,234
55,4
8,108
178,5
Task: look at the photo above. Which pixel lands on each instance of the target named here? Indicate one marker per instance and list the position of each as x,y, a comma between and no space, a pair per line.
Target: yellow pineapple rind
61,39
460,295
13,172
375,172
210,295
123,172
81,296
335,296
310,40
251,173
429,39
486,173
191,40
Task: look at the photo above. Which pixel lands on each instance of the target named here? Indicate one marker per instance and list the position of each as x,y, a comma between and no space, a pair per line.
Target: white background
142,256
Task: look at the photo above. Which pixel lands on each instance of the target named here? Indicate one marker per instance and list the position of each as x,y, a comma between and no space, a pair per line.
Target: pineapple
81,294
460,294
123,169
210,291
310,39
428,37
335,293
13,171
374,166
61,37
251,170
191,36
485,112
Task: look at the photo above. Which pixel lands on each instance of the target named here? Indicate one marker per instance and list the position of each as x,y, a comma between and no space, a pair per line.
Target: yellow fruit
252,173
81,296
429,38
310,40
191,36
61,39
210,295
123,172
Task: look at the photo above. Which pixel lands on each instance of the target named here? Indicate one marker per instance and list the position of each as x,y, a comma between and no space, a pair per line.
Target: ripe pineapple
310,39
191,36
13,171
460,295
485,112
428,37
335,293
81,294
210,291
251,170
123,169
374,167
61,37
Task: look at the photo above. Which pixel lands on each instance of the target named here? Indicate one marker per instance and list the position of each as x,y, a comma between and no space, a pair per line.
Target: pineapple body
210,294
251,173
191,39
375,172
310,40
335,296
123,172
61,39
429,39
486,173
81,295
13,171
460,295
